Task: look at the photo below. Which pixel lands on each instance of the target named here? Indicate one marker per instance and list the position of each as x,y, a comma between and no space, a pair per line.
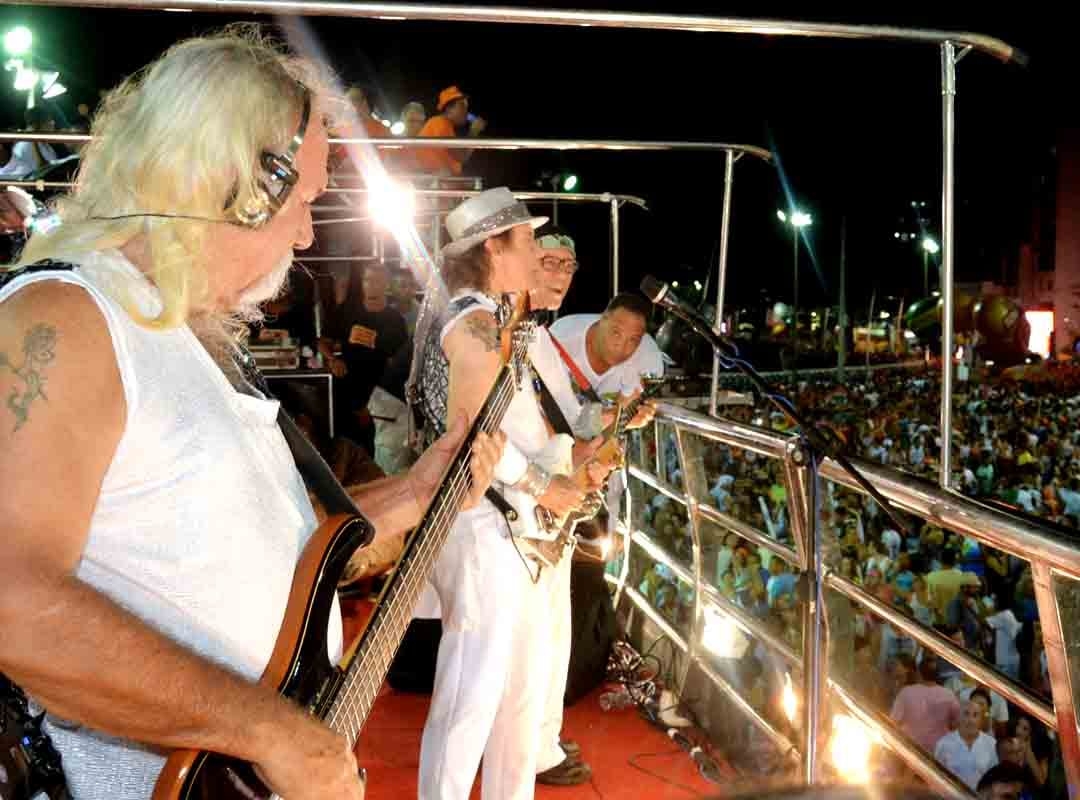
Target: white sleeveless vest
200,520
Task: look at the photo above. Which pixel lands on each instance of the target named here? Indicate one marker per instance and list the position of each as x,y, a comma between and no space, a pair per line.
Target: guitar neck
393,611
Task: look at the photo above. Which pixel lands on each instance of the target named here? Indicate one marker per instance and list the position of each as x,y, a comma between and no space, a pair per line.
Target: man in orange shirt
453,108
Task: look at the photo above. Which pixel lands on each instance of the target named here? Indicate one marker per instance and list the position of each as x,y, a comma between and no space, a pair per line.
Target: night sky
856,127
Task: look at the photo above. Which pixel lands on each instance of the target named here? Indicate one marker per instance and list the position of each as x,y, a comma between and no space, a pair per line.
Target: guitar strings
455,492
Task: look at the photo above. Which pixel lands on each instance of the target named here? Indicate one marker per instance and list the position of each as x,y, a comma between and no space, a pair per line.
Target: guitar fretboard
393,611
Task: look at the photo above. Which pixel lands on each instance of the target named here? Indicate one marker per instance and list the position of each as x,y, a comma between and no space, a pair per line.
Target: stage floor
629,757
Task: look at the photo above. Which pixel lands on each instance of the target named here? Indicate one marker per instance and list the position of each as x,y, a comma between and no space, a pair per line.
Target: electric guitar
542,535
342,695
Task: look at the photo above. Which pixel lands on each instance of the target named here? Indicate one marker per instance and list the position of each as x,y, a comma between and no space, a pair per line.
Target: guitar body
534,521
299,668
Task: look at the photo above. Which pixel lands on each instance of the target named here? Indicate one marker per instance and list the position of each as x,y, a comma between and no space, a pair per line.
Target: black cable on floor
657,776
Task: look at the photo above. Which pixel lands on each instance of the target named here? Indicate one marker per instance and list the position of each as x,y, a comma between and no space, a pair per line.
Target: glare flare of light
788,701
780,215
800,219
25,80
392,204
930,246
722,637
55,90
397,128
605,547
850,748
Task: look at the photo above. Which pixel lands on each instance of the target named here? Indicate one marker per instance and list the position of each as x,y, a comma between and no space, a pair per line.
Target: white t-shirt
968,764
891,540
1006,626
624,378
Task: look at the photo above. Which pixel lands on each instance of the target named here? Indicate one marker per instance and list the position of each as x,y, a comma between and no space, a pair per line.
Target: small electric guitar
544,536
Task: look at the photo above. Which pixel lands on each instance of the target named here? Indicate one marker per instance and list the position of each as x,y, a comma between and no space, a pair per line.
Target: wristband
535,481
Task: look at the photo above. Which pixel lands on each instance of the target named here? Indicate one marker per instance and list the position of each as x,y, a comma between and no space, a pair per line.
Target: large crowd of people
1015,445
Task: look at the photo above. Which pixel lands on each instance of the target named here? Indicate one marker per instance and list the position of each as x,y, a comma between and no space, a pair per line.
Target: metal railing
953,46
1054,557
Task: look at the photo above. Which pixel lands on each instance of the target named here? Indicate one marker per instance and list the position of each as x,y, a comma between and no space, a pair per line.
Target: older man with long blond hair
152,513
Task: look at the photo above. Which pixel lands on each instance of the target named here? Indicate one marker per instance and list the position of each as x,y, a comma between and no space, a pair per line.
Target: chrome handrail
586,19
1049,552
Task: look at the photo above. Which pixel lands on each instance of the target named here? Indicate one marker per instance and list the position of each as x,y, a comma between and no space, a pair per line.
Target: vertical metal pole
841,355
803,490
693,483
614,247
948,126
721,277
1057,663
925,272
795,295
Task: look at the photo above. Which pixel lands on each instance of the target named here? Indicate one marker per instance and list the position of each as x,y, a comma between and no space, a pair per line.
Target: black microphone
660,293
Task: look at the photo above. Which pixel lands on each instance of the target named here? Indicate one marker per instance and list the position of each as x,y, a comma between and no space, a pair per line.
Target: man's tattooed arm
484,330
39,350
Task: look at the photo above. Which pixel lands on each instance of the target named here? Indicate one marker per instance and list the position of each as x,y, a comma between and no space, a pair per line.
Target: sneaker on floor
569,773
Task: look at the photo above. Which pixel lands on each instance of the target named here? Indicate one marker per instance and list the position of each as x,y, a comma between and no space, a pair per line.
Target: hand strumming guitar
562,496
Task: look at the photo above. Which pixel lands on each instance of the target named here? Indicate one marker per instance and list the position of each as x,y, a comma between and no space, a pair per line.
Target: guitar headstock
516,329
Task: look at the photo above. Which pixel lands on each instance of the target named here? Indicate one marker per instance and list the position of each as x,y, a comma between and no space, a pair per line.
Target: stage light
800,219
930,246
780,215
18,41
569,182
397,128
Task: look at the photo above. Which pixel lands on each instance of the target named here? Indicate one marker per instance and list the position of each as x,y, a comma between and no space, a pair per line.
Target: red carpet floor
630,758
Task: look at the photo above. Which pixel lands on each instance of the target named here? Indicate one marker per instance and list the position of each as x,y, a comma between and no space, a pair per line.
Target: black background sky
856,126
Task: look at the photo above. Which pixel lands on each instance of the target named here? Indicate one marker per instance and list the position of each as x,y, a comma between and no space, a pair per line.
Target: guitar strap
579,377
550,405
312,467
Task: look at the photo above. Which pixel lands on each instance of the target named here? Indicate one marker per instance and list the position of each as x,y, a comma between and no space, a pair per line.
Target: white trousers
551,754
492,668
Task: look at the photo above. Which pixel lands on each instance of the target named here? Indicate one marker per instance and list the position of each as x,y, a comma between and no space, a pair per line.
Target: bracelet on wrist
535,481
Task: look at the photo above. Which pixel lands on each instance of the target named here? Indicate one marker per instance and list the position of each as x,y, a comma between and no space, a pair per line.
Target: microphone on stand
660,293
827,444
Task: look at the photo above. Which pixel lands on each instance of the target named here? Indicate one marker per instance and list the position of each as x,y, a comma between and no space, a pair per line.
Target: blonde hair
183,136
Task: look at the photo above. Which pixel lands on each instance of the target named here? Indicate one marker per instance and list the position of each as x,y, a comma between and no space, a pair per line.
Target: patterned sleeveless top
434,395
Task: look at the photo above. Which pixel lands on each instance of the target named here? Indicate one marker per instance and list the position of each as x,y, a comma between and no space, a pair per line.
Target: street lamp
797,219
18,41
929,248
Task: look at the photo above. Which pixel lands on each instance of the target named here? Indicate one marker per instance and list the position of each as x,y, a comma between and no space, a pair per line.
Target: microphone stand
811,582
820,442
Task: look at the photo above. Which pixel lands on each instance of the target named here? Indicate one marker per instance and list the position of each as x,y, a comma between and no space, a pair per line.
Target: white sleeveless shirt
200,521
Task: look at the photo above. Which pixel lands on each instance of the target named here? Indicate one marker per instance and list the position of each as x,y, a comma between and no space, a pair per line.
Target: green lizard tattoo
39,349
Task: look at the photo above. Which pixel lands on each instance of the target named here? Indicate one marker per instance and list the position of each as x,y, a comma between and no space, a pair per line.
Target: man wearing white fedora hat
490,678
